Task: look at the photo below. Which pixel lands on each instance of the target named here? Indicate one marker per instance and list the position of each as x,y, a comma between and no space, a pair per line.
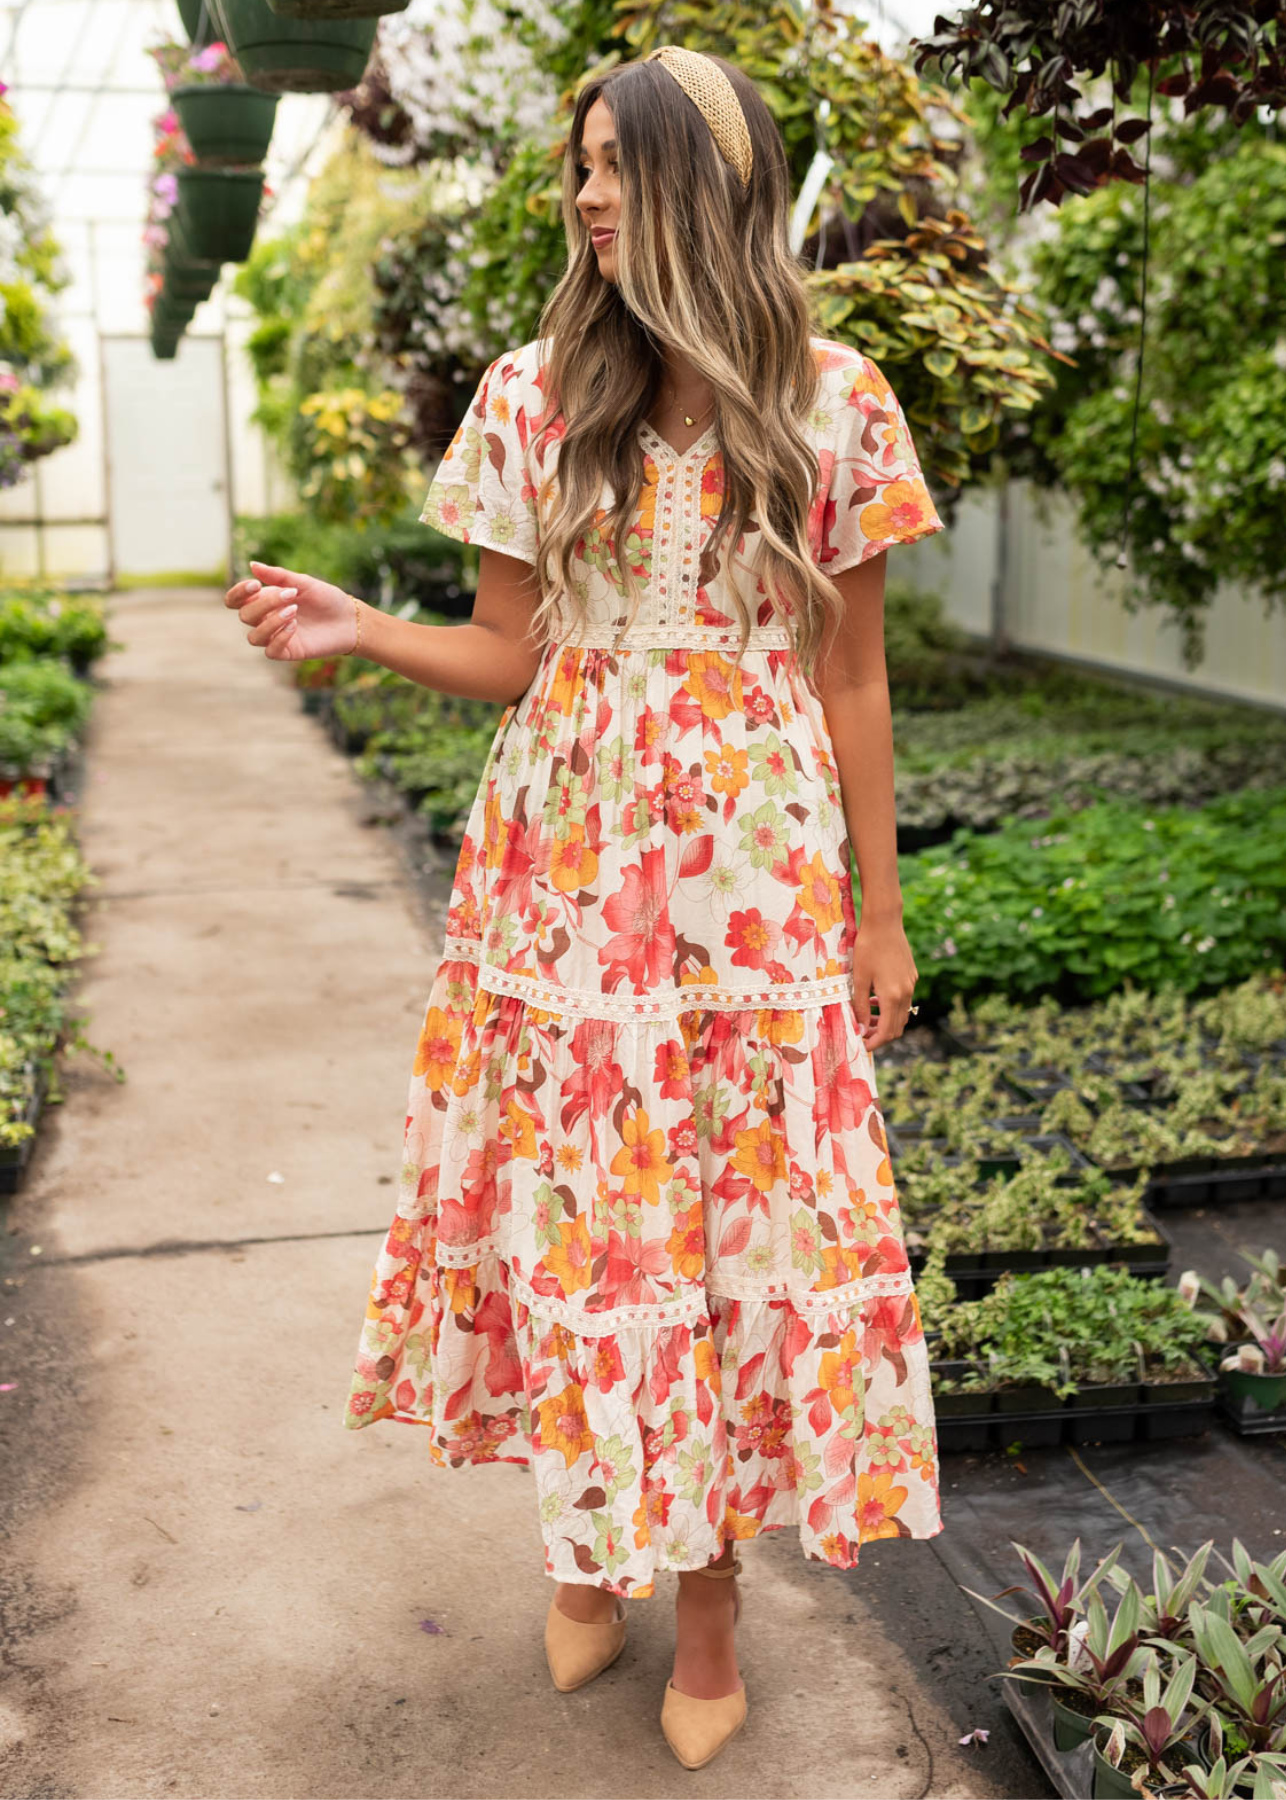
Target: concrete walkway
210,1587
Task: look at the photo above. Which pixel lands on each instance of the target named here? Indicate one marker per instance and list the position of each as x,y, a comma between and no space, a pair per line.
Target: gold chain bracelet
357,615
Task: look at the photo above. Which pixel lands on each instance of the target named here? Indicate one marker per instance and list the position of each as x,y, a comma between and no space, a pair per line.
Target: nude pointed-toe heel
697,1730
577,1652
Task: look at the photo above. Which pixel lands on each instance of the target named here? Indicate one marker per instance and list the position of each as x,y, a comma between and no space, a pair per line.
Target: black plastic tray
1142,1423
15,1157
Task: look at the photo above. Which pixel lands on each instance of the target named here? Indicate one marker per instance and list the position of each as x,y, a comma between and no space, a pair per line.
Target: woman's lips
602,237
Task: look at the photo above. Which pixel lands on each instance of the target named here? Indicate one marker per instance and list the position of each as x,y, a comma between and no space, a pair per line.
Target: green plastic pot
190,13
1268,1392
179,252
171,318
336,9
1070,1728
218,211
1109,1783
182,281
295,56
226,123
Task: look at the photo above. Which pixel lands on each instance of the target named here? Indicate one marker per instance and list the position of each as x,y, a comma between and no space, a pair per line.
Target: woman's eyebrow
607,144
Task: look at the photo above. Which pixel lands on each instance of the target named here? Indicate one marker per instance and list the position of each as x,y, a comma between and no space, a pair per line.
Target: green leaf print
772,764
765,835
417,1353
609,1546
548,1210
615,769
808,1468
694,1474
614,1462
805,1241
566,802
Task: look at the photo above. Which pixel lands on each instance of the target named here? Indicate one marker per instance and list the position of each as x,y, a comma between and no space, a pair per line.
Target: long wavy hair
705,268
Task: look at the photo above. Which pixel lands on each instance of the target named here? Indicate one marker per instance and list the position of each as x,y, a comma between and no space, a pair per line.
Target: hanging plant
297,56
225,119
336,9
219,210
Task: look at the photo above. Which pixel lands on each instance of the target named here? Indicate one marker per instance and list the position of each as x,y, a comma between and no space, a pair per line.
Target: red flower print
630,1261
644,944
752,938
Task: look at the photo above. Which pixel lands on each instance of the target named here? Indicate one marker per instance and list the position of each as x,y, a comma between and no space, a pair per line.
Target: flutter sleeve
875,494
481,492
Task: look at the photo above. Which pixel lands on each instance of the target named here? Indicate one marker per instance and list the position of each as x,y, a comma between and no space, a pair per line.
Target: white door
166,444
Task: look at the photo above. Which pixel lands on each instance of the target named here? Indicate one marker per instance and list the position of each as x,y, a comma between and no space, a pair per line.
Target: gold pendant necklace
686,419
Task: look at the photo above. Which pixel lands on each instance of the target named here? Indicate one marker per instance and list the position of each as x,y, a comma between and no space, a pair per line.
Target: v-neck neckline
668,449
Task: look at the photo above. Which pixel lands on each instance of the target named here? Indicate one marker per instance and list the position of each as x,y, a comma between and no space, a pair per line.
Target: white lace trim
697,997
677,637
683,1307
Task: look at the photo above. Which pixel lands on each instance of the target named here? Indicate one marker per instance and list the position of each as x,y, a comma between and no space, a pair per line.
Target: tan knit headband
709,89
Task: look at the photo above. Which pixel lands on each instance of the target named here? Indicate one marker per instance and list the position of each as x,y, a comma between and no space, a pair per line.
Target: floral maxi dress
647,1238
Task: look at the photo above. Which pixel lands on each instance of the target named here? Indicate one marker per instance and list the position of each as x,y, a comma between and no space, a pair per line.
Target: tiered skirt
647,1238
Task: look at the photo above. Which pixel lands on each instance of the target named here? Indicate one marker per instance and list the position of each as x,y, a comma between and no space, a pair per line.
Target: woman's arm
854,687
491,658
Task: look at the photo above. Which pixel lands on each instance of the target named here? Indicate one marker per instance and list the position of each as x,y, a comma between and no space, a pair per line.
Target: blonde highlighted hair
703,266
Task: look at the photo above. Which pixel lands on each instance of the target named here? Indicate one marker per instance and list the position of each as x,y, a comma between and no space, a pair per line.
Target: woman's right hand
317,619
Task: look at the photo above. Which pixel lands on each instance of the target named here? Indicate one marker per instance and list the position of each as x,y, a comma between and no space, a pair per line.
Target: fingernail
288,591
287,610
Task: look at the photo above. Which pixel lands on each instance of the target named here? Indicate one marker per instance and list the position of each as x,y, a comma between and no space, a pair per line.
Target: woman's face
598,199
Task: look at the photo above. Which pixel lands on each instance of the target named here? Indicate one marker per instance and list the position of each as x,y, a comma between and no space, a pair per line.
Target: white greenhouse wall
1029,574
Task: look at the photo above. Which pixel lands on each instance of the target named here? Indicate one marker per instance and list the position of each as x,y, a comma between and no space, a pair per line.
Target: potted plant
1249,1328
1103,1657
1062,1603
1148,1735
225,119
218,211
336,9
1245,1679
303,56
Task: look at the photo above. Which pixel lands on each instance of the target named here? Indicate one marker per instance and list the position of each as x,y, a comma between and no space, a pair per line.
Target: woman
647,1240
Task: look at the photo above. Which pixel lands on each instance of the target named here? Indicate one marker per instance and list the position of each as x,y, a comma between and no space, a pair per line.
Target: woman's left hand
883,969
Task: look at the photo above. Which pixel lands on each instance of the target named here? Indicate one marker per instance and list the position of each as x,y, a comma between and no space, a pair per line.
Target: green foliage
387,563
33,357
36,622
957,343
1211,474
43,709
1194,898
1076,1326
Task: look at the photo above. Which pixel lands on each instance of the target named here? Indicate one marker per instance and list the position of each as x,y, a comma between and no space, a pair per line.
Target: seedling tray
1213,1181
15,1157
1141,1422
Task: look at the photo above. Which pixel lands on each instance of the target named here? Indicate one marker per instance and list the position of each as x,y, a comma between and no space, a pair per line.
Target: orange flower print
878,1501
651,1514
714,684
819,894
687,1244
726,769
563,1425
570,1259
572,864
761,1154
642,1164
835,1373
903,507
436,1048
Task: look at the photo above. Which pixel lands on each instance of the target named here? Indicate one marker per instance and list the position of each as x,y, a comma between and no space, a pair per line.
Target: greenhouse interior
847,1099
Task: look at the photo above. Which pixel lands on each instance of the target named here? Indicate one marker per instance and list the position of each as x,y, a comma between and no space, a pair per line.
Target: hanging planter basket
181,285
179,252
173,313
296,56
190,13
218,211
179,282
228,123
337,9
